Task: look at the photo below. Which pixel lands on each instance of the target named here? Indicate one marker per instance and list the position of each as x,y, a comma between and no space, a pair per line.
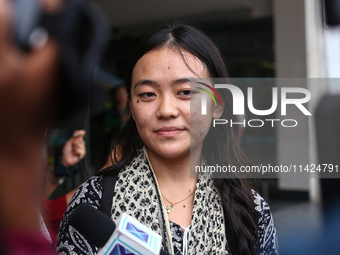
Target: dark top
70,241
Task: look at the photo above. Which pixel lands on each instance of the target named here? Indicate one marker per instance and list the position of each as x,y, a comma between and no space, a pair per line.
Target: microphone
93,224
129,236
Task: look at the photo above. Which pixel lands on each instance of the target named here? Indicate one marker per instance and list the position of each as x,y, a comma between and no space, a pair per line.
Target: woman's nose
167,108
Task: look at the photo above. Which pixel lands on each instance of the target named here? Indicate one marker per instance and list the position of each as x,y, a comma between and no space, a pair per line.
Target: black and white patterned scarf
137,193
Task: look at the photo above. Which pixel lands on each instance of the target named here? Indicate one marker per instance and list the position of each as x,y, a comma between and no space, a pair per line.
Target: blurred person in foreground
27,84
29,81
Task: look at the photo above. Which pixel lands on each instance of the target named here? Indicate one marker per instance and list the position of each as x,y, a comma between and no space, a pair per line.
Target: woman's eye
186,93
148,95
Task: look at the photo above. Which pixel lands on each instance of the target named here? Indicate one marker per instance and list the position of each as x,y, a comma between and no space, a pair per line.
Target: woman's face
160,103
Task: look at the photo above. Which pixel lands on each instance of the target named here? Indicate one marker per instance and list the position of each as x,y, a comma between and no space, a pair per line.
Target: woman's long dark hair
237,199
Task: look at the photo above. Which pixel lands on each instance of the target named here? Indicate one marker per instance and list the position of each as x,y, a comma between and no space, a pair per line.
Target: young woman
201,215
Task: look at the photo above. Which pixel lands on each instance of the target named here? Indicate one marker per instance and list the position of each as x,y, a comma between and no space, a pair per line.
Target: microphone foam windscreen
93,224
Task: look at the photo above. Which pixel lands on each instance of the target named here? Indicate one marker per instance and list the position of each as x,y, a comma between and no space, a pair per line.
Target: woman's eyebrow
180,81
150,82
144,82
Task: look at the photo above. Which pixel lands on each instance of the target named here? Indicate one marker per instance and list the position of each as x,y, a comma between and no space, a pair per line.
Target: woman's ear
218,111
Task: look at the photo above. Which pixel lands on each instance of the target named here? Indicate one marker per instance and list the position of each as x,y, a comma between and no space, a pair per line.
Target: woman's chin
169,151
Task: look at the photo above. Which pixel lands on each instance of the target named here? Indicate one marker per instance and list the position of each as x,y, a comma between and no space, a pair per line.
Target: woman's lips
169,131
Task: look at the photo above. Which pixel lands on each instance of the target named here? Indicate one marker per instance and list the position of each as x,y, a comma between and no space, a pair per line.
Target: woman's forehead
168,63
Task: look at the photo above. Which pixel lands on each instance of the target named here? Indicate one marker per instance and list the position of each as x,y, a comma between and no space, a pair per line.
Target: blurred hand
74,149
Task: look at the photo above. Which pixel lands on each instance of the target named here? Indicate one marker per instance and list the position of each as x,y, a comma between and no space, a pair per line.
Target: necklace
169,208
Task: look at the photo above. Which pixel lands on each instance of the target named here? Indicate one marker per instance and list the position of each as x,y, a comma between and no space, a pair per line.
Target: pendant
168,209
